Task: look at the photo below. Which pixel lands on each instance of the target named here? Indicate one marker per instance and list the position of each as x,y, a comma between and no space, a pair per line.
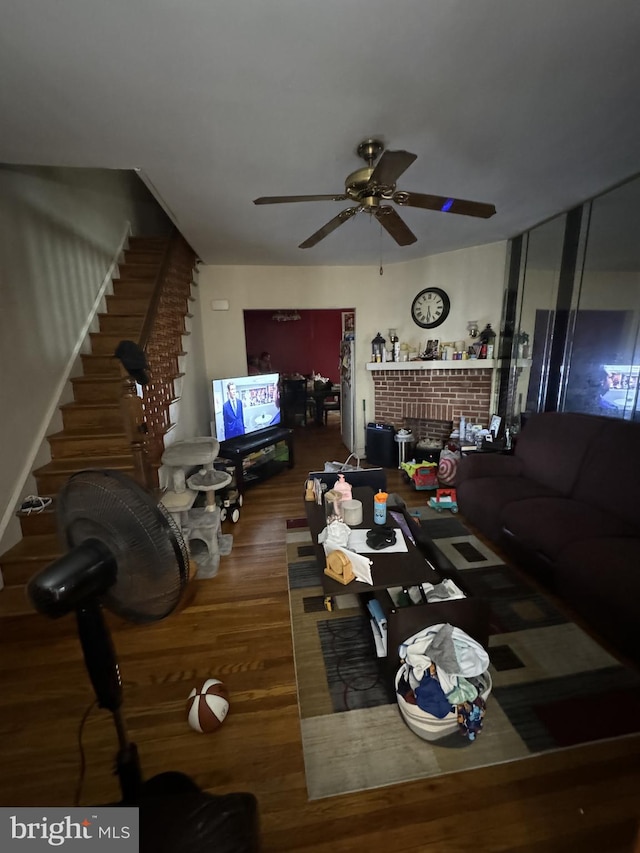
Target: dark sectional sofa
566,504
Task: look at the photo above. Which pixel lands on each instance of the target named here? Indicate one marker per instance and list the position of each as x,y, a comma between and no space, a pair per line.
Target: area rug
553,686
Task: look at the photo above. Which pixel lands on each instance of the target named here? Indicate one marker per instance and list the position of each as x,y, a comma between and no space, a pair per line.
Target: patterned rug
553,686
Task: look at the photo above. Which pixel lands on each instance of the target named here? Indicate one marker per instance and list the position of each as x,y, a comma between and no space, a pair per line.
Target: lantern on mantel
487,338
378,351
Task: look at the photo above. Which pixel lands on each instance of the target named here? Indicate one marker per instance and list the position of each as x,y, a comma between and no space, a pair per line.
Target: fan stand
104,673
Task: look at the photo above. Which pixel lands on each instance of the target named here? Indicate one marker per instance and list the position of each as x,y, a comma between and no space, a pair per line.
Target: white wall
59,233
473,278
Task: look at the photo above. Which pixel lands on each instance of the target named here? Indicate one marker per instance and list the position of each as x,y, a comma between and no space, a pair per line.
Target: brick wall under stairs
92,435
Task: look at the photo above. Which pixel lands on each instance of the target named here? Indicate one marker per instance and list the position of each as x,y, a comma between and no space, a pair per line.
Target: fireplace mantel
461,364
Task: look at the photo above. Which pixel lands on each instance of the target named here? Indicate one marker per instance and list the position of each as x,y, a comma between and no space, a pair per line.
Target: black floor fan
126,554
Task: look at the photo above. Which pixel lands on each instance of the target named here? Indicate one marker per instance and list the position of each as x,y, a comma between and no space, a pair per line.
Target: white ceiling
531,106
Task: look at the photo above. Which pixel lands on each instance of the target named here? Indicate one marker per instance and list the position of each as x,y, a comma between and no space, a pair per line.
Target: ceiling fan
371,186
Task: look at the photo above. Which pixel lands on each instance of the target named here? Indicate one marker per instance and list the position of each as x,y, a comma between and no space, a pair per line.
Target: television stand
259,455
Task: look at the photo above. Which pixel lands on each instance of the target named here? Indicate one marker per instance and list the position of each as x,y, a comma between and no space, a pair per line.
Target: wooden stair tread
97,379
130,279
86,432
143,251
97,405
78,463
115,312
46,546
14,602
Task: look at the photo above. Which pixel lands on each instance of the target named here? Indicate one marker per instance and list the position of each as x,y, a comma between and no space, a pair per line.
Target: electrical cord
83,763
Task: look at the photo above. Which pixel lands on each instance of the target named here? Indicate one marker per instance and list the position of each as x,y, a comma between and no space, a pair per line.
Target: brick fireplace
430,401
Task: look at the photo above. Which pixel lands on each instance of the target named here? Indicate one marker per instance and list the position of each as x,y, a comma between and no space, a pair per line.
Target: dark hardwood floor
236,627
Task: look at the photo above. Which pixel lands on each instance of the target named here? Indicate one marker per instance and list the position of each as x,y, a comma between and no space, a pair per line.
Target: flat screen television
245,404
619,391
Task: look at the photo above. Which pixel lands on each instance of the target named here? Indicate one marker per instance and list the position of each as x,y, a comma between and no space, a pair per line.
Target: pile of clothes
439,675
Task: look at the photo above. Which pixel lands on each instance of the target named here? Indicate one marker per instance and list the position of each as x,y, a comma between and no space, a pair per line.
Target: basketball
208,706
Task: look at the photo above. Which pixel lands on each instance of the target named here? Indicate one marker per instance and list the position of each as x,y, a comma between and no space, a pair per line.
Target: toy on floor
208,706
230,502
444,499
228,498
423,475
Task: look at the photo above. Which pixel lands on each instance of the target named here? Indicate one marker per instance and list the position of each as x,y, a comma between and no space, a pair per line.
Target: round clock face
430,308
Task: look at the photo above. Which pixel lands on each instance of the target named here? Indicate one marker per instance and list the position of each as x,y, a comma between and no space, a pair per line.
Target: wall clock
430,308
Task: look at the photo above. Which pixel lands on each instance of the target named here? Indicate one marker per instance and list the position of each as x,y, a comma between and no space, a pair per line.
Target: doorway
299,341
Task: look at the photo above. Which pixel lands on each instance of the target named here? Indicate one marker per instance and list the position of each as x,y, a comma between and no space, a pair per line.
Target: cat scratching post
198,523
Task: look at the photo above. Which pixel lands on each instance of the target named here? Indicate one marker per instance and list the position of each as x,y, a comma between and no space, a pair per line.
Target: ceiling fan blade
389,219
390,166
330,226
444,204
282,199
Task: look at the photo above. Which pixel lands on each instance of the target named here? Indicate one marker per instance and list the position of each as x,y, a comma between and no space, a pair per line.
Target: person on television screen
276,402
232,413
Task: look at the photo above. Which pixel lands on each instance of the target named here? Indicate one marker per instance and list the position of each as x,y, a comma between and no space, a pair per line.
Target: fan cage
150,553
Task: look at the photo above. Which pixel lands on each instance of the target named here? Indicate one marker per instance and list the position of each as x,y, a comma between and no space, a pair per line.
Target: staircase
93,434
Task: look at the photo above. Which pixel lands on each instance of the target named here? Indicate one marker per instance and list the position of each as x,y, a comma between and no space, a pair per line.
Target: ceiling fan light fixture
285,316
370,185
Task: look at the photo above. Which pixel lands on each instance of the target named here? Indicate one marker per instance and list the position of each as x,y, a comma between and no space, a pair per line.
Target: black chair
331,403
294,402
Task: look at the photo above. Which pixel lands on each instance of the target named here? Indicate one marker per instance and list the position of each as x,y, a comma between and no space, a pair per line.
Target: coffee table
416,565
392,569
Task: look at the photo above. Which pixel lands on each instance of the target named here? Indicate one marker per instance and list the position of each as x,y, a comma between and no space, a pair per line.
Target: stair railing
147,417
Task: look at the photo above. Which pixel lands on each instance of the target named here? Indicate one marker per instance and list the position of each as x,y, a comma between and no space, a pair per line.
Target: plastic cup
380,507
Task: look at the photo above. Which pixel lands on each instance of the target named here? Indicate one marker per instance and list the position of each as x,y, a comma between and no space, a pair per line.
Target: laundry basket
425,725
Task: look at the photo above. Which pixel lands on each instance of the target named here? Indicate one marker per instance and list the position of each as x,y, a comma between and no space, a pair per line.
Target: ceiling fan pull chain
381,270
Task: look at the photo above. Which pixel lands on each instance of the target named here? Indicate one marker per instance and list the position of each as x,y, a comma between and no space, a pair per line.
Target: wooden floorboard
236,627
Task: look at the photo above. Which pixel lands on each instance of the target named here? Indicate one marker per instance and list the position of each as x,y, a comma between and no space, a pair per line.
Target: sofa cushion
546,525
553,445
610,473
600,579
477,464
481,500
